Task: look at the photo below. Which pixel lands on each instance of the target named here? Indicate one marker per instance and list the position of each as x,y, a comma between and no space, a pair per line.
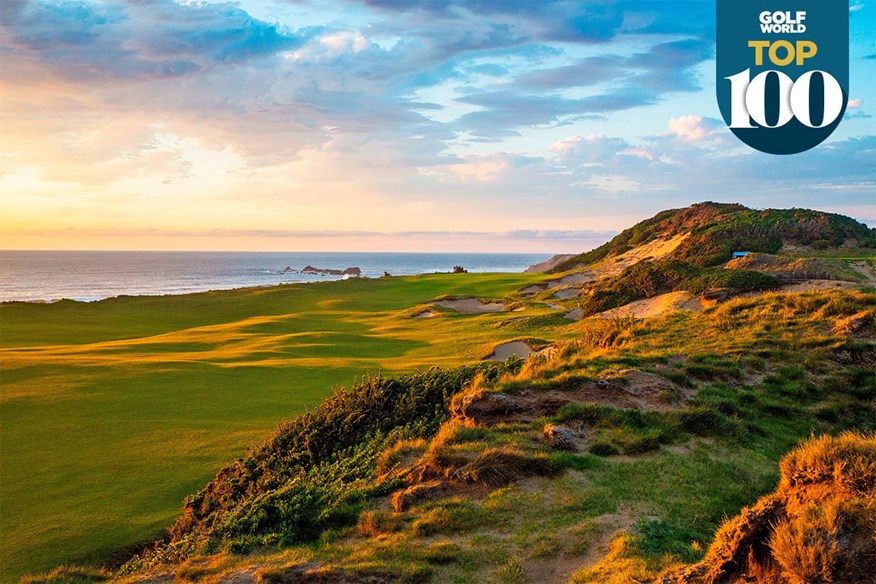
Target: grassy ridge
717,229
114,411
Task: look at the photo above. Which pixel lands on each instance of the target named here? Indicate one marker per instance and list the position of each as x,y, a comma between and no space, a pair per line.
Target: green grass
114,411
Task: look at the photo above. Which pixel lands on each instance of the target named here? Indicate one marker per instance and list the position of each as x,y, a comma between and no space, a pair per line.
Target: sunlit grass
114,411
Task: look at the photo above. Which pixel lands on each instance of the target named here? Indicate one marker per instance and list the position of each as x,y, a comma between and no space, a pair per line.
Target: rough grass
818,526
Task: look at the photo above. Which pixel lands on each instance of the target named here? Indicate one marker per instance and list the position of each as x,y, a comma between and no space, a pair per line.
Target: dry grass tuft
818,527
376,523
497,467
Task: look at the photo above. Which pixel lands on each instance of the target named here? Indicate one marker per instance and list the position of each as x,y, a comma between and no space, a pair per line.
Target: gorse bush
318,470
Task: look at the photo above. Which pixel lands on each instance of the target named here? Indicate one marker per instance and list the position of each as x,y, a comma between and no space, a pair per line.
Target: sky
386,125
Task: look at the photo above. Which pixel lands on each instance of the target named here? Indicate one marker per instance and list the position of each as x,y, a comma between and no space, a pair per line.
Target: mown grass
114,411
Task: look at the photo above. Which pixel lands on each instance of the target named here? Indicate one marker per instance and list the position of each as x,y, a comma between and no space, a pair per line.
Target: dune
652,250
656,306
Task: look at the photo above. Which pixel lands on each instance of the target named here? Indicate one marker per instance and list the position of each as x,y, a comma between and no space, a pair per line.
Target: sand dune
653,249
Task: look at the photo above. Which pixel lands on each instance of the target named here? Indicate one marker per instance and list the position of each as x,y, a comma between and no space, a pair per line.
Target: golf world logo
782,73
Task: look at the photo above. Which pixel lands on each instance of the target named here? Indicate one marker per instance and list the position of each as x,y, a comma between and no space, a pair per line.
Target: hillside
691,250
657,397
611,460
711,232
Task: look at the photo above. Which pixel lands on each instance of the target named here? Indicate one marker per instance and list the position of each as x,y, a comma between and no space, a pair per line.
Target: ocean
94,275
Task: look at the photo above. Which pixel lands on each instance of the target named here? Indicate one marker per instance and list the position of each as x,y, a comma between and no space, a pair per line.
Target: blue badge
782,74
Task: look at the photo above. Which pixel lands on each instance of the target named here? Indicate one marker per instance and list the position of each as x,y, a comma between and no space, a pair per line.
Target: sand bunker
567,293
812,286
513,349
470,305
534,289
574,314
576,278
426,314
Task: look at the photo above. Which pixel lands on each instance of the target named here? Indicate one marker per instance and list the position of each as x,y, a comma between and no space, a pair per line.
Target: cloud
855,103
518,234
595,148
691,128
138,40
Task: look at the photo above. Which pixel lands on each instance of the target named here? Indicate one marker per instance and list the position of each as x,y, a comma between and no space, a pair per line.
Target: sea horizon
93,275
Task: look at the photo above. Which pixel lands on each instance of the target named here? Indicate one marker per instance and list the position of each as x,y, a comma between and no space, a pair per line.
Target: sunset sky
410,125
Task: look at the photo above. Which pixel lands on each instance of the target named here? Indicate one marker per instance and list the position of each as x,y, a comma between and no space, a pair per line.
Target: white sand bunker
514,349
426,314
470,305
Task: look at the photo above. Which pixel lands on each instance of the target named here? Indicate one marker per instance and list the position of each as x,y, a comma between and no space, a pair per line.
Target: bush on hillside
318,471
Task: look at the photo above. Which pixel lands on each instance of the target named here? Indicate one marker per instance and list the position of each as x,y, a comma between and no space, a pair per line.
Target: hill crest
715,230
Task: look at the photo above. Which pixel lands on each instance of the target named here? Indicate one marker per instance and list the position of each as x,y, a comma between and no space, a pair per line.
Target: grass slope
715,230
114,411
483,498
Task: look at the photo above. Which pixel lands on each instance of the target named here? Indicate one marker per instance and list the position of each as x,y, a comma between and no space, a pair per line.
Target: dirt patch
420,493
814,286
470,305
245,576
631,389
154,578
865,269
311,573
563,437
